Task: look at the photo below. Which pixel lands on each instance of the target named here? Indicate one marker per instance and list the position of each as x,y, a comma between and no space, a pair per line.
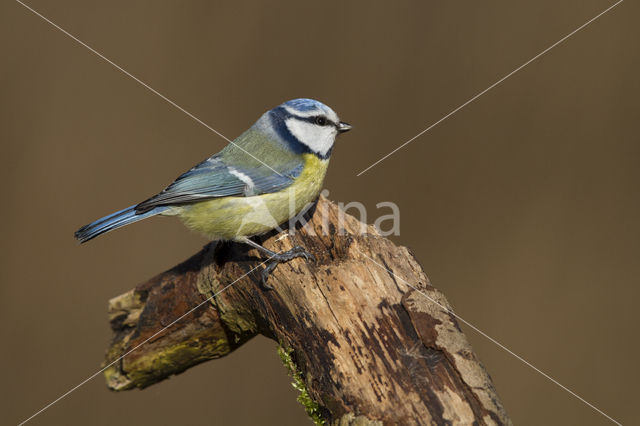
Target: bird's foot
279,258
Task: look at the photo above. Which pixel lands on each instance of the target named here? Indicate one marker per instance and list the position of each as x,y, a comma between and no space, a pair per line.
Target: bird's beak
343,127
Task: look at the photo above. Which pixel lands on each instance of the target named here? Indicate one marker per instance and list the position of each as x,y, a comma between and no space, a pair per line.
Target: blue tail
114,221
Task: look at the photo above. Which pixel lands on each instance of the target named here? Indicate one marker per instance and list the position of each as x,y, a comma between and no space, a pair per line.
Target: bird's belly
229,218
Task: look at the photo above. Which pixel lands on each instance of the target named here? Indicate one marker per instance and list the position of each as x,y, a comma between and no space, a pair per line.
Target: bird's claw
297,251
264,275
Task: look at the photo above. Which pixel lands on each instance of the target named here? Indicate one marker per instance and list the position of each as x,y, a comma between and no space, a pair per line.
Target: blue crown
305,104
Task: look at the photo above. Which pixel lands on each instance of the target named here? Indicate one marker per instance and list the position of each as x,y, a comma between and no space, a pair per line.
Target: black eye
321,121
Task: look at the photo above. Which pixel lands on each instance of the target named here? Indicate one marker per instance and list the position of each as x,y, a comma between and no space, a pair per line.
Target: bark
365,336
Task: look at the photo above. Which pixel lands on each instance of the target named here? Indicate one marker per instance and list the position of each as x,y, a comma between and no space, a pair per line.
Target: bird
263,178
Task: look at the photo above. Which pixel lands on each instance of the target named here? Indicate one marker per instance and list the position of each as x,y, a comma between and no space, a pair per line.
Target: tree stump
358,328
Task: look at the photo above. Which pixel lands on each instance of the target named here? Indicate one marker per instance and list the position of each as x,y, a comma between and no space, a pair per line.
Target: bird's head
306,125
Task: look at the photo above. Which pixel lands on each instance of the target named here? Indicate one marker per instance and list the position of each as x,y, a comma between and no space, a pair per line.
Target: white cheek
318,138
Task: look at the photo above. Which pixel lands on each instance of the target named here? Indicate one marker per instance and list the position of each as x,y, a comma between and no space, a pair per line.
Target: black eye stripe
313,119
285,114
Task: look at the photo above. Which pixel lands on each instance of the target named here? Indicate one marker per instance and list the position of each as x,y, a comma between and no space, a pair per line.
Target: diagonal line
127,73
491,87
500,345
88,379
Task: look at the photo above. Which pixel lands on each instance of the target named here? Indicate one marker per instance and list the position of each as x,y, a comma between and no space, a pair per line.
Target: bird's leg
277,258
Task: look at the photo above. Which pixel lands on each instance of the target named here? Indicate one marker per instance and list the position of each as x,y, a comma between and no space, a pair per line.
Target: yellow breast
231,217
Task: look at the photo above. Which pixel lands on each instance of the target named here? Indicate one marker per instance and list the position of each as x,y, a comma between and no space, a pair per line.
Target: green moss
149,368
174,359
311,407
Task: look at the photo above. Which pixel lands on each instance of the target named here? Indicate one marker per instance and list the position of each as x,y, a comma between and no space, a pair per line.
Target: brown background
523,207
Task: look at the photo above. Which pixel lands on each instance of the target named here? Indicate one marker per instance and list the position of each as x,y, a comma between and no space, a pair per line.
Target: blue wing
215,178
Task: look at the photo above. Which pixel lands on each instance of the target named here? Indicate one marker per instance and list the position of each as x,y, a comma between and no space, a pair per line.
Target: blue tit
268,175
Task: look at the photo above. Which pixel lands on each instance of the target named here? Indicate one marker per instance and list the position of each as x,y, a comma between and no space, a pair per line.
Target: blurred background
523,207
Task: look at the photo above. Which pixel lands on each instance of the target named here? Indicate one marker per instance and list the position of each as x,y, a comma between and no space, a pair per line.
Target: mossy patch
148,368
311,407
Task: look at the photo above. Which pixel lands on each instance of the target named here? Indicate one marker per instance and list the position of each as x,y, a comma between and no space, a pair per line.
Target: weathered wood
363,346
